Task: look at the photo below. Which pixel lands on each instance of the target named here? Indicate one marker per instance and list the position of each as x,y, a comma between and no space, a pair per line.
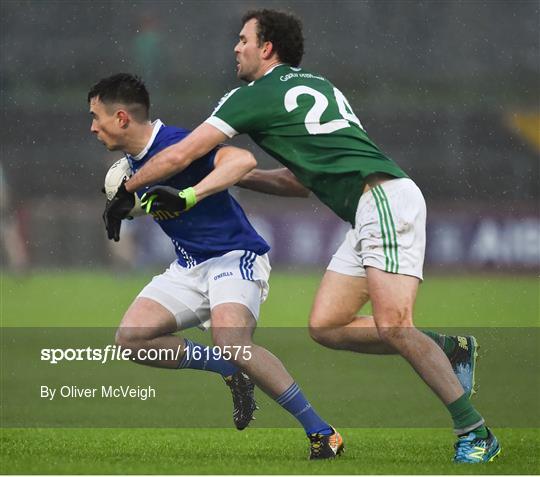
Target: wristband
189,196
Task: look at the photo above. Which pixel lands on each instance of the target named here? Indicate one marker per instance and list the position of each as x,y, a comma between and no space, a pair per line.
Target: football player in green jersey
307,124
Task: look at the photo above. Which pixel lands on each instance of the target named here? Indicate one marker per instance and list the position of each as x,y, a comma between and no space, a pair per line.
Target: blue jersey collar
157,126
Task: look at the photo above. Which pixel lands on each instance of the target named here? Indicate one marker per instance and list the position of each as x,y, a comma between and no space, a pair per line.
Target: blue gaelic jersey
215,226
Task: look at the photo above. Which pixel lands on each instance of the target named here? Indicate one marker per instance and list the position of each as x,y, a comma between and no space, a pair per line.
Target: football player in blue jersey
220,277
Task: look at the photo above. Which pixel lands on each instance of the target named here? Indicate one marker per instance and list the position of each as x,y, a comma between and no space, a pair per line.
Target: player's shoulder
173,130
171,134
264,82
260,90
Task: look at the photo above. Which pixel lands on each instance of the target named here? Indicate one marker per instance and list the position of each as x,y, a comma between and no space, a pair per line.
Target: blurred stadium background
449,89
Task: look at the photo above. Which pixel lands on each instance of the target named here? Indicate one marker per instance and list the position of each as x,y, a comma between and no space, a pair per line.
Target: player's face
105,125
248,52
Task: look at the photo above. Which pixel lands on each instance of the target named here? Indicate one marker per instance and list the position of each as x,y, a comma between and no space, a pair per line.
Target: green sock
481,432
466,418
447,344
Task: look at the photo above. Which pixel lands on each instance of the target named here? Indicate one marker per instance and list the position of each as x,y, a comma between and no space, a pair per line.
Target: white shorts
191,293
390,232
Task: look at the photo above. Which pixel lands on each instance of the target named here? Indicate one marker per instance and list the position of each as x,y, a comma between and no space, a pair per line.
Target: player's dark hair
283,30
126,89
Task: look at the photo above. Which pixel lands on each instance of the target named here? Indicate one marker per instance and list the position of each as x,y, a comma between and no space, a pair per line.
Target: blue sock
201,357
294,401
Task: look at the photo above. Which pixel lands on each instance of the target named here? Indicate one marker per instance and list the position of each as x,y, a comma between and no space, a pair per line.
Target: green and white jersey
307,124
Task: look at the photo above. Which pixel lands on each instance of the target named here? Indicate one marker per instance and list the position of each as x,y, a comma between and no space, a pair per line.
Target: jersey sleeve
242,110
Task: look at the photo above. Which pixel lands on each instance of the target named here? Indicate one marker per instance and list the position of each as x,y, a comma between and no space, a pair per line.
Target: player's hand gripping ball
120,204
118,173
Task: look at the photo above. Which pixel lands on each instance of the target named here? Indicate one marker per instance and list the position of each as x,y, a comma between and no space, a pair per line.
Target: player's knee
236,346
318,326
227,340
219,340
129,338
393,335
122,338
391,316
324,328
319,334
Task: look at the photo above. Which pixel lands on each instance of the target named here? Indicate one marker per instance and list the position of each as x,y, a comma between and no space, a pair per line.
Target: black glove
168,199
117,209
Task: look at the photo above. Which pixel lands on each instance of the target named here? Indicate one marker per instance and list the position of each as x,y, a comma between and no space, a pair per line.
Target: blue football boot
471,449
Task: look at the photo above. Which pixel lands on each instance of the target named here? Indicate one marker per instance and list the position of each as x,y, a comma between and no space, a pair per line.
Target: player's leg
238,284
392,235
333,320
233,325
149,325
172,301
343,291
393,298
334,323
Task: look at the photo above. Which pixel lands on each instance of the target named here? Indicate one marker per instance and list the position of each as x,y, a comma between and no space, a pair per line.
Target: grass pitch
100,299
72,299
255,451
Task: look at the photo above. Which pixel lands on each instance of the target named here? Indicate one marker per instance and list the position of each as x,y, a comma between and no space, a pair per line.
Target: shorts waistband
375,179
394,180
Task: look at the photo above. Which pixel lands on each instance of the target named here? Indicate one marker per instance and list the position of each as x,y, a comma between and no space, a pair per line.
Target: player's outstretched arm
177,157
274,181
230,165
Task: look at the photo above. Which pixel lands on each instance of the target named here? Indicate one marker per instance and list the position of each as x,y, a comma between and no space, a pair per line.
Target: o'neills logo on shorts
224,274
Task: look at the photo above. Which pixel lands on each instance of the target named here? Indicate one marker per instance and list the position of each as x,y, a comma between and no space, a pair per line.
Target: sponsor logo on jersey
289,76
164,215
223,275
